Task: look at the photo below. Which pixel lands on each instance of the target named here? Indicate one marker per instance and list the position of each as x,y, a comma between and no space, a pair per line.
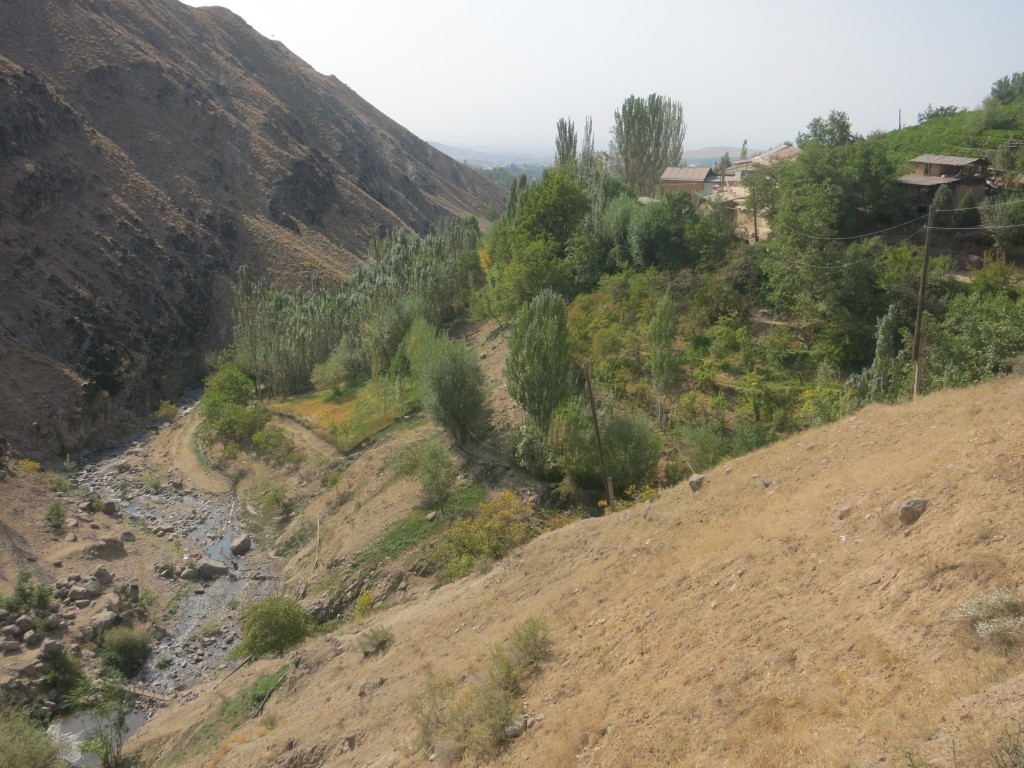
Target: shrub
274,443
23,743
29,465
1009,749
997,617
64,673
26,596
450,381
273,625
433,466
126,649
374,640
478,721
55,515
166,410
364,605
501,525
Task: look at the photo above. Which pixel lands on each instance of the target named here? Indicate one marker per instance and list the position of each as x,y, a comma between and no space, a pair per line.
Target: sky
478,74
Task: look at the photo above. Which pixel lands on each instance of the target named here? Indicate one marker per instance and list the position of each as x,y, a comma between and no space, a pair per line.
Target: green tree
565,142
967,213
647,138
537,365
111,702
831,131
450,380
931,113
743,150
1007,89
273,625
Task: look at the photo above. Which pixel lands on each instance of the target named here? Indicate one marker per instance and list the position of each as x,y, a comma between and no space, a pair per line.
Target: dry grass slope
783,616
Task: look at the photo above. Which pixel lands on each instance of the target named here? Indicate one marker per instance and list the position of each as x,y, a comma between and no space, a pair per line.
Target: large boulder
211,569
104,620
241,544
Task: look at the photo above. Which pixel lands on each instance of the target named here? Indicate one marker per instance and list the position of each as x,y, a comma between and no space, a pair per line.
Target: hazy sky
483,74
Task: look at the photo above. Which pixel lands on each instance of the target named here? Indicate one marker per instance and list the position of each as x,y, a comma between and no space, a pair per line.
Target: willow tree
647,138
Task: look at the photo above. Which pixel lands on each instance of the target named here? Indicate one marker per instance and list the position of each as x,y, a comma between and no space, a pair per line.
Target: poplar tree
537,365
647,138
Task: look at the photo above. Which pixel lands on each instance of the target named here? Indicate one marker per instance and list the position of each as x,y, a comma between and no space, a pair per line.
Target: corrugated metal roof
946,160
690,173
920,180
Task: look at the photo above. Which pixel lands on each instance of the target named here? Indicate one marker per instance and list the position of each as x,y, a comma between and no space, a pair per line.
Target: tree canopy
647,138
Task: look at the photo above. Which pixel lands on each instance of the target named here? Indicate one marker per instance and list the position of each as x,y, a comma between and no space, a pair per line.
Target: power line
849,237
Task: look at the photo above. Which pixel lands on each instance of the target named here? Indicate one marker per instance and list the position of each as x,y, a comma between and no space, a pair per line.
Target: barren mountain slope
237,152
781,616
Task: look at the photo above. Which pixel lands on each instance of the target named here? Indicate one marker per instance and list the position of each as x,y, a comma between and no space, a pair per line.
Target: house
699,181
961,174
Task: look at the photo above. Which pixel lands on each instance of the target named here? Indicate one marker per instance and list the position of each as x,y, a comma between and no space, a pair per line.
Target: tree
1007,89
450,380
109,699
930,113
831,131
565,143
743,150
537,365
724,163
647,138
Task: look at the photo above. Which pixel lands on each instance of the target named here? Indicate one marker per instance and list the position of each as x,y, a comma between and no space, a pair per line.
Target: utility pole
916,352
753,202
605,479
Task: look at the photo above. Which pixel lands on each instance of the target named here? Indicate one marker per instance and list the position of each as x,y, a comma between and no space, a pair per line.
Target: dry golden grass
744,626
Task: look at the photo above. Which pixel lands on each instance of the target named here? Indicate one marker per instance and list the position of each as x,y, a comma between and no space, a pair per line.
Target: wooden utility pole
753,202
916,351
609,491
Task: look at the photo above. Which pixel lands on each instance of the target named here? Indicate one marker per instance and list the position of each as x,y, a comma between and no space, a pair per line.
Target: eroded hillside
147,150
782,615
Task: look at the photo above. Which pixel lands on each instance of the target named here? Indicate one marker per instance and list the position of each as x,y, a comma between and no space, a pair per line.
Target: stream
201,626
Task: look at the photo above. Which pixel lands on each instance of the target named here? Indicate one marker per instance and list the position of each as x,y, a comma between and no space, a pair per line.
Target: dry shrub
996,616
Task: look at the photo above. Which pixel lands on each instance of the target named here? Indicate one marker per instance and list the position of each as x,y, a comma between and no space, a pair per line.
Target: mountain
494,156
147,150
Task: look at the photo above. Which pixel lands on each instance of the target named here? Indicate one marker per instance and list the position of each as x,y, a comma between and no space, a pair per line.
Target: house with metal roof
700,181
961,174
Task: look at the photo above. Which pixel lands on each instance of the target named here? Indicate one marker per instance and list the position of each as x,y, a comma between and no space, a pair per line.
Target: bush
478,721
375,640
450,381
26,596
23,743
55,515
126,649
997,617
29,465
501,525
432,465
166,410
632,446
273,625
273,443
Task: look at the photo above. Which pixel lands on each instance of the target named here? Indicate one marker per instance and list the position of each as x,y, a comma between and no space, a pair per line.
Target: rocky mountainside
147,149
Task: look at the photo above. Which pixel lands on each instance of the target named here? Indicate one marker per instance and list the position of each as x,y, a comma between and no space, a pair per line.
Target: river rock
102,575
241,544
107,547
211,569
10,630
695,482
9,646
111,509
104,620
25,623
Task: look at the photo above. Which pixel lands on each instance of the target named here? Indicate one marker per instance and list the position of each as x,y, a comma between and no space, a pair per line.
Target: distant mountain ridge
147,149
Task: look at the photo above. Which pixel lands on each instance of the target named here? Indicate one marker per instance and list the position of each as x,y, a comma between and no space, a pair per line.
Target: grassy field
347,417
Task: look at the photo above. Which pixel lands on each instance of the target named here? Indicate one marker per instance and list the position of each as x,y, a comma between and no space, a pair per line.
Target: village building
961,174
